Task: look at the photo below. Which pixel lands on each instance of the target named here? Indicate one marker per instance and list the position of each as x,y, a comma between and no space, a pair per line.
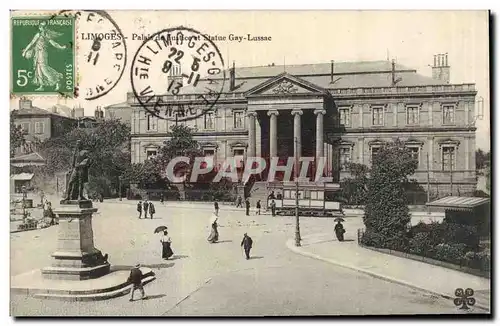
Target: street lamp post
23,189
297,218
120,188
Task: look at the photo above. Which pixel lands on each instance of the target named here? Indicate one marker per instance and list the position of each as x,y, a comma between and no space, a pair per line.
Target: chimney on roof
232,78
441,69
332,70
25,104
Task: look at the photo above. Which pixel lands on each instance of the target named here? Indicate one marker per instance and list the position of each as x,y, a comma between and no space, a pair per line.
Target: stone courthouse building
343,111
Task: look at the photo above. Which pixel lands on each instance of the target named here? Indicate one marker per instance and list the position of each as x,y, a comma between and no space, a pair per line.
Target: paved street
215,279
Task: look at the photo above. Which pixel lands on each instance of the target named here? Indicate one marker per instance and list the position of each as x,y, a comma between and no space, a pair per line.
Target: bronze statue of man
79,174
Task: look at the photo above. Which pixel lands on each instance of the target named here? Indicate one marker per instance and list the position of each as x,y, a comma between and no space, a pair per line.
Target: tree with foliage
109,149
17,135
482,159
354,188
386,213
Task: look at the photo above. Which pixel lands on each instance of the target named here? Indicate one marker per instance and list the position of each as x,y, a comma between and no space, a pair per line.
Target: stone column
319,132
361,150
395,114
251,134
361,107
431,155
273,133
467,155
466,107
297,149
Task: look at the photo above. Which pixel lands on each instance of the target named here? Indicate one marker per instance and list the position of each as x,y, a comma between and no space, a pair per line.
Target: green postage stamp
43,55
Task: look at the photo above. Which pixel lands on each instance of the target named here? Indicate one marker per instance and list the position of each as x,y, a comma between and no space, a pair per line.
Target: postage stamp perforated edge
76,71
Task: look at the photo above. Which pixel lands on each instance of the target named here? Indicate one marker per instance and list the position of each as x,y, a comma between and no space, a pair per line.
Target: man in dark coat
257,206
247,206
152,210
146,208
273,207
239,202
246,243
216,207
135,278
139,208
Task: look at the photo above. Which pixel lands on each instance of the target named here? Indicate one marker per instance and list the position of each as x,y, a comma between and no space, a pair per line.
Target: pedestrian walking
258,207
216,206
239,202
273,207
146,208
213,237
135,278
247,206
162,198
152,210
339,231
246,243
139,208
166,244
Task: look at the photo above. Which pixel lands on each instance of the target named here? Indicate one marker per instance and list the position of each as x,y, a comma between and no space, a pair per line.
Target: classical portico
287,109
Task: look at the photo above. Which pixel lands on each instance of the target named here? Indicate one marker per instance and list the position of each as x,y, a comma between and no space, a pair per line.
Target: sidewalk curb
298,250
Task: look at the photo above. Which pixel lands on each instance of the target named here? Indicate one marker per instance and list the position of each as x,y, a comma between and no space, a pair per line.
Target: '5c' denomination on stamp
175,62
43,55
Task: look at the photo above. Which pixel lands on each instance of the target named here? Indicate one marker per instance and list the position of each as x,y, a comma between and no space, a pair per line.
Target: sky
300,37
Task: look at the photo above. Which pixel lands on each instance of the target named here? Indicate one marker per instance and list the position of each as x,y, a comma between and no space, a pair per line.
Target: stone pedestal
76,258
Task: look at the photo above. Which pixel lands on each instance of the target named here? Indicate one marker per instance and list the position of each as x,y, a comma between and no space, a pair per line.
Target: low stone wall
430,261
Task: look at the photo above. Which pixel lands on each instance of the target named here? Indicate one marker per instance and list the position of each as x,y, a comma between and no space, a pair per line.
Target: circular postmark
177,74
102,52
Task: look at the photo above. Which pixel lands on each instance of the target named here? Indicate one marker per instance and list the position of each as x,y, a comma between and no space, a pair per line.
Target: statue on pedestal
79,174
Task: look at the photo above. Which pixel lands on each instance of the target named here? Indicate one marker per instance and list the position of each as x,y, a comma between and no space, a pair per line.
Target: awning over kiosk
22,177
455,202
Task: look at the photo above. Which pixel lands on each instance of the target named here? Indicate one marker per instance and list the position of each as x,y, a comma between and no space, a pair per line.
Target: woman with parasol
214,234
166,242
339,229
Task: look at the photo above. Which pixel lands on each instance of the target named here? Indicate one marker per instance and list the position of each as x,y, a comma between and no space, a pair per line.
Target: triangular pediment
285,84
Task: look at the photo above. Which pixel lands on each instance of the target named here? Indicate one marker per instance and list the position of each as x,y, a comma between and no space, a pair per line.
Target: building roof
459,202
22,176
118,106
31,159
346,75
40,112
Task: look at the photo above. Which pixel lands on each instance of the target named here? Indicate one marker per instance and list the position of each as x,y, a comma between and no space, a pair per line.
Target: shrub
421,244
372,239
478,260
452,253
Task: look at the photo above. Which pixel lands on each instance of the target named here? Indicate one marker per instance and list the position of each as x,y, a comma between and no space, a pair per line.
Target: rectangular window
412,115
345,157
448,158
345,117
150,153
209,152
378,116
415,151
238,120
375,150
210,120
39,127
25,126
152,123
448,114
238,152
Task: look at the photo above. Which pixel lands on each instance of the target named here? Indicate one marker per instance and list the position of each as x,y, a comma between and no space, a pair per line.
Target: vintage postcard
249,163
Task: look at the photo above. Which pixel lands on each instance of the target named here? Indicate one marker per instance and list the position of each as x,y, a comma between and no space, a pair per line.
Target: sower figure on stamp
79,174
36,50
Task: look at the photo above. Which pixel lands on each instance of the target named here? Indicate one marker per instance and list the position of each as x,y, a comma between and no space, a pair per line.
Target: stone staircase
259,191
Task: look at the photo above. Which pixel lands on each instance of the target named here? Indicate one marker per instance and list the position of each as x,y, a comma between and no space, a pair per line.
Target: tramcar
315,199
